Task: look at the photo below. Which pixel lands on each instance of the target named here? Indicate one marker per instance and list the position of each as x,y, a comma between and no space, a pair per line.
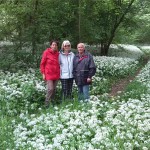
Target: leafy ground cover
116,123
103,123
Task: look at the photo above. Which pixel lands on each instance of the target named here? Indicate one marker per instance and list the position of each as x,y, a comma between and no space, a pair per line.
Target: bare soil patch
119,87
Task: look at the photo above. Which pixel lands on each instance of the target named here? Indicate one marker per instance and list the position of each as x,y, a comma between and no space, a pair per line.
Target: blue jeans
83,92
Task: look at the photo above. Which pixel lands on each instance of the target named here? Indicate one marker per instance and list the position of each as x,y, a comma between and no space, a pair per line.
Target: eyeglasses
67,46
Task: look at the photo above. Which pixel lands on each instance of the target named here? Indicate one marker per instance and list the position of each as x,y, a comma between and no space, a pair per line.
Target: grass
134,90
6,132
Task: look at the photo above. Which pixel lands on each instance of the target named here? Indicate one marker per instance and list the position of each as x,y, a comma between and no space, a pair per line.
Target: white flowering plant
103,122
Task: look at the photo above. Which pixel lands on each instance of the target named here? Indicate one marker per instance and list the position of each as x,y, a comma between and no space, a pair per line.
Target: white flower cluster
114,66
110,67
16,85
95,125
144,76
83,129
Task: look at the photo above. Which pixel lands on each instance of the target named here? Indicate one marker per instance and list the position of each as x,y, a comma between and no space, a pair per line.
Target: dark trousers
66,88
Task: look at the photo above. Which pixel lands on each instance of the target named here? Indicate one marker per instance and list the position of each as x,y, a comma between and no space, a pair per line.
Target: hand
43,76
89,80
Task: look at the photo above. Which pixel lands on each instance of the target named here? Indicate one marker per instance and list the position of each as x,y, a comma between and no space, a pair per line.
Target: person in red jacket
50,70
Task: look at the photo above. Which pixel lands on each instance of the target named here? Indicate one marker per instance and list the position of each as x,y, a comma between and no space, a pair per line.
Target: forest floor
119,86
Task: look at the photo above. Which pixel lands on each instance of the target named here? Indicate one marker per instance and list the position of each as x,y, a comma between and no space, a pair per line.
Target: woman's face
67,47
54,46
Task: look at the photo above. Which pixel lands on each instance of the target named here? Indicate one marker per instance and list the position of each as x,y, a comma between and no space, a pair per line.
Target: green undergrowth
134,90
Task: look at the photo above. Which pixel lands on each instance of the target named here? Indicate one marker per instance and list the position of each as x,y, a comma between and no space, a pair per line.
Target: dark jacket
83,68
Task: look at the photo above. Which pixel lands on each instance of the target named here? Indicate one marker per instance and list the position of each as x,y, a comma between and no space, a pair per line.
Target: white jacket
66,65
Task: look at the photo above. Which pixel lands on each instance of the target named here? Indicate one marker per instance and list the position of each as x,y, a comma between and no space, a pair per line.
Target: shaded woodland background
27,26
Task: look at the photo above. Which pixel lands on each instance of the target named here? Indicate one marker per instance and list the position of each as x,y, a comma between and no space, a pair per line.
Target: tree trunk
104,49
105,45
34,26
79,21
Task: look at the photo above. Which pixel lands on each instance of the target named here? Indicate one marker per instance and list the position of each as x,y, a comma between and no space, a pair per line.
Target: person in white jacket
66,69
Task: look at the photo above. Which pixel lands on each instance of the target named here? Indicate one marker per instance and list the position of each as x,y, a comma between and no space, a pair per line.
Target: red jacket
49,65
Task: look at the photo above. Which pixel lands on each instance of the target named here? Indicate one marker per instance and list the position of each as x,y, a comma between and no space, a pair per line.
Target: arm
92,67
74,67
59,58
42,65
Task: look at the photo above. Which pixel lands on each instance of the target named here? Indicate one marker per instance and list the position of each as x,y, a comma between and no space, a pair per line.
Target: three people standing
66,66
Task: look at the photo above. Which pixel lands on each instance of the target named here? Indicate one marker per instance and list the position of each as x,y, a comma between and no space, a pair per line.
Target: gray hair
82,44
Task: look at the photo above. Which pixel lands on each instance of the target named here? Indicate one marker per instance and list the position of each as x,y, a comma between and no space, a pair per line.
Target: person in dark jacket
83,70
50,70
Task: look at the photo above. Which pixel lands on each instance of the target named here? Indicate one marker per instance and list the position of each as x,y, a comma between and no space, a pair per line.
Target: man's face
80,48
54,46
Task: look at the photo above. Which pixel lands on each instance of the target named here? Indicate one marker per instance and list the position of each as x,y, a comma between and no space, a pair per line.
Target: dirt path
119,87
